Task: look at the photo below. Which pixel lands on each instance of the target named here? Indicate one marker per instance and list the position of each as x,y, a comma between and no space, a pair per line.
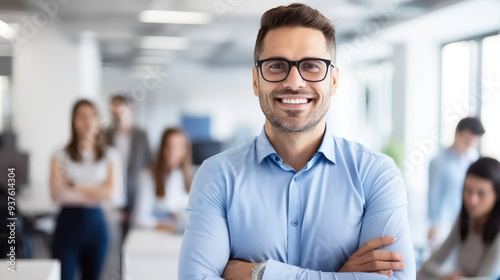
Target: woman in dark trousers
81,179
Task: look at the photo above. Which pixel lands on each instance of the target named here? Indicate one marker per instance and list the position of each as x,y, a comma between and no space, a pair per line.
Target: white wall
47,79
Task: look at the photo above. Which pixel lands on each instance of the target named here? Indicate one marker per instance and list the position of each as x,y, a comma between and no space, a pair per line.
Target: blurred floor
112,269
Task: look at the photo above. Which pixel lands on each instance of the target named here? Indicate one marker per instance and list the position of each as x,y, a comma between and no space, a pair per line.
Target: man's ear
255,74
335,80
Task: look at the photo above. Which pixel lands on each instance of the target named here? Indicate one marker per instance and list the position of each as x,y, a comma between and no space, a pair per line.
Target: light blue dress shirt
245,203
446,181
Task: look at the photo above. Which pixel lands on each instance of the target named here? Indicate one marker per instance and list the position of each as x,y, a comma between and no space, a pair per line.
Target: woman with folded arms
81,180
475,234
163,188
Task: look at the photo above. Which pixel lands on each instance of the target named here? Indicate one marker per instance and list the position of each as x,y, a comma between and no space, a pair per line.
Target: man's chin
292,127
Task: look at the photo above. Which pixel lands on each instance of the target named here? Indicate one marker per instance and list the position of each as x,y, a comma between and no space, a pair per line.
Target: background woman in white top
475,236
163,188
81,179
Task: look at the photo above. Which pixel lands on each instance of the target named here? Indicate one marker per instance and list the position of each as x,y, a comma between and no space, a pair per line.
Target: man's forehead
295,43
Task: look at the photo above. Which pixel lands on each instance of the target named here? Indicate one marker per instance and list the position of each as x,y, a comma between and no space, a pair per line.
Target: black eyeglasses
276,69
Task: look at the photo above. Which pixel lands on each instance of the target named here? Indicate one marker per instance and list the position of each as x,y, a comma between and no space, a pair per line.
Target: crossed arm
79,194
205,255
205,252
367,259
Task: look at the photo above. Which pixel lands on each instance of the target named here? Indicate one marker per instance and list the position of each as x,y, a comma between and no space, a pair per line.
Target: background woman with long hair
476,233
163,188
82,177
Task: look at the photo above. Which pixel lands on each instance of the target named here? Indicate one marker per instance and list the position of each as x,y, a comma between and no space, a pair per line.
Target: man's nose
294,81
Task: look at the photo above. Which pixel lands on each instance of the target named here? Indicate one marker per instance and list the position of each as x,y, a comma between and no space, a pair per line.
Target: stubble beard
290,123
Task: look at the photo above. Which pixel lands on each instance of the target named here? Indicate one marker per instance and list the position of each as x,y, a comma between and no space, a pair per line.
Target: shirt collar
327,147
265,149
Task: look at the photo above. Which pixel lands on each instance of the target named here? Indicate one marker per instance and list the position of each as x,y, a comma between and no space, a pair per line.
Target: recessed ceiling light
164,43
174,17
6,31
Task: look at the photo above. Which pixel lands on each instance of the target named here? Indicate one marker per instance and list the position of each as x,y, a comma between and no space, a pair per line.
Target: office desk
150,255
30,269
32,203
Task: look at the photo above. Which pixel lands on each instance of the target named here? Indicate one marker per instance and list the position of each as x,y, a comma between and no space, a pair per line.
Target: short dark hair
121,98
295,15
486,168
472,124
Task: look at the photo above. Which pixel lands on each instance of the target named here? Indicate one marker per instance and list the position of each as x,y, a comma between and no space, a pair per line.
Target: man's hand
368,259
238,270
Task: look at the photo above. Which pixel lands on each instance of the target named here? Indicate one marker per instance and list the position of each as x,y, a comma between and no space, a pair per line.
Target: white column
90,66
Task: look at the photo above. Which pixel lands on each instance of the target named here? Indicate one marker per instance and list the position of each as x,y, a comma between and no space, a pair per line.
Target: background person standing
82,178
133,146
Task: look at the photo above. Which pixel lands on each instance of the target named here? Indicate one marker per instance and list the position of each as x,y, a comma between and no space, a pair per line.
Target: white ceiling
228,39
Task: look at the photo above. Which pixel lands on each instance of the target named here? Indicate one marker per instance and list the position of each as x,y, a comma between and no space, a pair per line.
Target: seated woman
163,188
475,234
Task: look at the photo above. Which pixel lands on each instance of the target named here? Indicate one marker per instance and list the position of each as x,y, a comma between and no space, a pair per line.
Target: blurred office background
409,71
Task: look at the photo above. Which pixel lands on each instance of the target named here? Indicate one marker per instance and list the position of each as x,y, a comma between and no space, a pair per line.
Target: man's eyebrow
275,57
315,57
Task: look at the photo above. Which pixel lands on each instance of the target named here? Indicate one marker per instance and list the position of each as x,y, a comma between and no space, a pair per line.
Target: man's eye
276,66
311,66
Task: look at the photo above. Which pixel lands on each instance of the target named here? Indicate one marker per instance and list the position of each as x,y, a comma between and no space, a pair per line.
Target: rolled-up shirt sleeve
205,248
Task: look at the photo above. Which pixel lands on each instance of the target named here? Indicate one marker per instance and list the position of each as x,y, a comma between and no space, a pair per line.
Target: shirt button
276,158
296,178
295,223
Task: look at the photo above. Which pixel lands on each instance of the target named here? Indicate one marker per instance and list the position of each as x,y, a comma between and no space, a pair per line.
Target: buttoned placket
294,215
294,220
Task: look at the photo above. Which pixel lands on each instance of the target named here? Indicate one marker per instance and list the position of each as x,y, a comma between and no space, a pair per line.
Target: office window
490,96
470,86
455,87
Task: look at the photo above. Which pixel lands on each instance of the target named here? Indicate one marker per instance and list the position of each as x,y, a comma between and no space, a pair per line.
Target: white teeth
294,101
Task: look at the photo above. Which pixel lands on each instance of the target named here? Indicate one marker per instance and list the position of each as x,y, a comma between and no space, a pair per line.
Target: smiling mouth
294,101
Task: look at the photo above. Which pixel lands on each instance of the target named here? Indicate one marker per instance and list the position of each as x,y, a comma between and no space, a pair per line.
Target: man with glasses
297,202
